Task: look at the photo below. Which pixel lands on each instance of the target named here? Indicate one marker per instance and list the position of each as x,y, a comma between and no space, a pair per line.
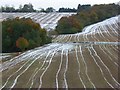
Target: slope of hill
107,30
83,60
46,20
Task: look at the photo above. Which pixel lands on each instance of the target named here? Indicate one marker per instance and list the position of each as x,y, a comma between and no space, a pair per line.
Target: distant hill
86,15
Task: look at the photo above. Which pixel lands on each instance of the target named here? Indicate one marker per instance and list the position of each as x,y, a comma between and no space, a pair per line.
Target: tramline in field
84,60
46,20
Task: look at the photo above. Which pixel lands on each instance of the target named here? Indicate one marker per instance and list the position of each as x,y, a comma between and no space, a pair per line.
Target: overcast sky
54,3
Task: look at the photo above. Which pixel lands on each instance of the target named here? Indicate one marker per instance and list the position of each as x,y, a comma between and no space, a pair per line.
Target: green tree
28,8
50,9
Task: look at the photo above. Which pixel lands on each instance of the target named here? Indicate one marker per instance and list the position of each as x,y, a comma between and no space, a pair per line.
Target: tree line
30,8
86,15
22,34
25,8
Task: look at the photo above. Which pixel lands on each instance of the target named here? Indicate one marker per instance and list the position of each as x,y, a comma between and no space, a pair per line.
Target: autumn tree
31,32
22,43
68,25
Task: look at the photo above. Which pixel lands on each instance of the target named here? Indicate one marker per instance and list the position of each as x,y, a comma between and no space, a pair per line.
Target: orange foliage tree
22,43
68,25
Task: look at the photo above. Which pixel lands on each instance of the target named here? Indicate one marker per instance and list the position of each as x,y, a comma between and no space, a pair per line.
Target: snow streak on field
83,60
105,31
46,20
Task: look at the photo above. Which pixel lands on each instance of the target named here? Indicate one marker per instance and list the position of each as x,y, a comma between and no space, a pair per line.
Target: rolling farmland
83,60
46,20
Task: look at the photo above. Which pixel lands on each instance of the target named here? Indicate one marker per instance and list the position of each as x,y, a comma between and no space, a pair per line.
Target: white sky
54,3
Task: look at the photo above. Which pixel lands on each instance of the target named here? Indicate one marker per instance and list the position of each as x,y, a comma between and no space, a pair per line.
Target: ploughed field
84,60
46,20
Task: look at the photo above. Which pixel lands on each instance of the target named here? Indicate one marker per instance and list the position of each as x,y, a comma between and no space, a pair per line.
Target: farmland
46,20
83,60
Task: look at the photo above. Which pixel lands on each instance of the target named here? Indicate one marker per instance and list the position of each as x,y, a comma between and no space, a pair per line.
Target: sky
56,4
